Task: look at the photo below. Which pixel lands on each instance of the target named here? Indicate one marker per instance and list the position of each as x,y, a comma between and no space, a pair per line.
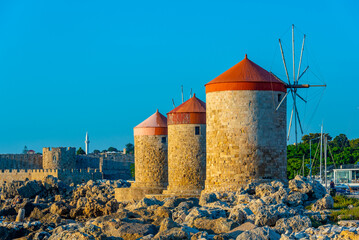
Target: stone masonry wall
151,166
59,158
20,161
246,138
69,176
186,159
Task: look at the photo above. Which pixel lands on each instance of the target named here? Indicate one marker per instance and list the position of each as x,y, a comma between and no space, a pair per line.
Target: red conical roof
193,111
155,120
156,124
190,106
246,75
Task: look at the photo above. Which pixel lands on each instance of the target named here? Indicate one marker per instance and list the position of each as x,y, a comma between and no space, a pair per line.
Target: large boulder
9,190
326,202
294,224
167,224
30,189
219,225
207,198
266,216
210,213
60,209
310,187
177,233
146,202
260,233
296,198
264,189
238,215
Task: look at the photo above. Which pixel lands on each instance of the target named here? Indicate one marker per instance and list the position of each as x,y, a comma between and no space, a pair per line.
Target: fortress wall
24,174
77,176
87,161
68,176
20,161
117,166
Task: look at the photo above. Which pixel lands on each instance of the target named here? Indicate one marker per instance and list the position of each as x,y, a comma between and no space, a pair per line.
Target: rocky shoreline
50,209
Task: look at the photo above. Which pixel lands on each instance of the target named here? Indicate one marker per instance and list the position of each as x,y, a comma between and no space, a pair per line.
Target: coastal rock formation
90,211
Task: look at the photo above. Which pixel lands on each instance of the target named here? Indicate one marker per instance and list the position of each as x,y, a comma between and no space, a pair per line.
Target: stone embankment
53,210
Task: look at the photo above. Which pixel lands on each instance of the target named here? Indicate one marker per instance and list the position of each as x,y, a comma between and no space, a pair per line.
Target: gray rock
237,215
312,188
296,198
207,198
264,189
326,202
167,224
219,225
173,234
146,202
294,224
30,189
266,216
260,233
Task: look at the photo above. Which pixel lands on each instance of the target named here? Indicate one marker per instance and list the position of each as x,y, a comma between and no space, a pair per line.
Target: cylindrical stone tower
151,165
187,148
151,152
246,136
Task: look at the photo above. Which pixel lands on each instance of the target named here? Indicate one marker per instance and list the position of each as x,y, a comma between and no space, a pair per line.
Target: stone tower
87,143
59,158
151,165
187,148
246,136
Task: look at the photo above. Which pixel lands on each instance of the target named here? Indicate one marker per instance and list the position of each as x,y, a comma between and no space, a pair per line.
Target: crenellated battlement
66,175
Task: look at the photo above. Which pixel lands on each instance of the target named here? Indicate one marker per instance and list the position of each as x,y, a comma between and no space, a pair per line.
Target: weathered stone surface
237,215
295,224
167,224
219,225
30,189
260,233
264,189
326,202
266,216
173,234
312,188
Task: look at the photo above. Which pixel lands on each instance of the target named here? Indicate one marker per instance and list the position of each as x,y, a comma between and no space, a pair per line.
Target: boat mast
321,153
325,159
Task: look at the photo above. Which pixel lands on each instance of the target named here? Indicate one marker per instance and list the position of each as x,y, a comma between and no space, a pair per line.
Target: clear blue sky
67,67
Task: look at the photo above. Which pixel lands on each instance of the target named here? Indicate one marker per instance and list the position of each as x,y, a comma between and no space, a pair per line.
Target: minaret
87,142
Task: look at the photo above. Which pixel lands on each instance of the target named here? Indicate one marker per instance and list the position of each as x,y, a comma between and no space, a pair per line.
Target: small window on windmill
163,140
196,131
279,97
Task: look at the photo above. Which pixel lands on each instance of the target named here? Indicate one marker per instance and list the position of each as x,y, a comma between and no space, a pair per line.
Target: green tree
112,149
129,148
132,168
354,143
80,151
341,141
315,137
96,151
